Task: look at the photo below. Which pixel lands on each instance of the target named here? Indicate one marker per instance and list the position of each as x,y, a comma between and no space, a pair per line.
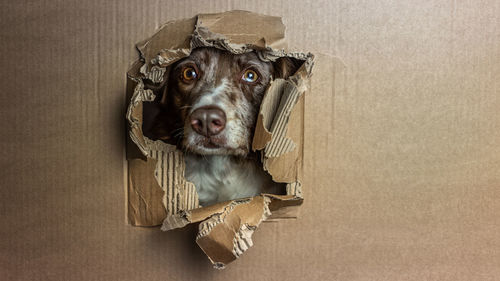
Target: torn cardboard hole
158,193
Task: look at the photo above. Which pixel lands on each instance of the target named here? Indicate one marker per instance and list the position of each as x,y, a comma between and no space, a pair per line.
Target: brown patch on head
233,97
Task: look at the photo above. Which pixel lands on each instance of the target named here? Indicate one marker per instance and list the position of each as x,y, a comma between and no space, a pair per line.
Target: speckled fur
223,177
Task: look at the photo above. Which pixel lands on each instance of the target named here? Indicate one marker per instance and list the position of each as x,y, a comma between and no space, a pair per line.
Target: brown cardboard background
410,137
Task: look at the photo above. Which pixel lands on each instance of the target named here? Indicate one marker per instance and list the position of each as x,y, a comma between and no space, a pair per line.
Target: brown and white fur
210,106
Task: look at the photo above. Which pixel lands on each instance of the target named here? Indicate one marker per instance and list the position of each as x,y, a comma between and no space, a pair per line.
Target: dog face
213,98
217,96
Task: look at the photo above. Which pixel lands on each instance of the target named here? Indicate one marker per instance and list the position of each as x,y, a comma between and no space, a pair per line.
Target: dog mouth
203,143
213,146
210,143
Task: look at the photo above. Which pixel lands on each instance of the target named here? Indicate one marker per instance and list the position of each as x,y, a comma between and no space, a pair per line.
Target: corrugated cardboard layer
179,193
232,229
401,157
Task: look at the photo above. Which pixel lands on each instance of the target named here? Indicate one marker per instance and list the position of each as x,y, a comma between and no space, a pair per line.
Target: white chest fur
220,178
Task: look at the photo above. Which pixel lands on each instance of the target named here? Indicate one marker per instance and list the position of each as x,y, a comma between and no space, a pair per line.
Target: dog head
214,97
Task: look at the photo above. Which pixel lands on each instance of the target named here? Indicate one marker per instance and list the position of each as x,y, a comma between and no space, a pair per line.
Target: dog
208,108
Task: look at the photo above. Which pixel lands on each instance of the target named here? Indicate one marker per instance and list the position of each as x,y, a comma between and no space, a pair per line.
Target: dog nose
208,121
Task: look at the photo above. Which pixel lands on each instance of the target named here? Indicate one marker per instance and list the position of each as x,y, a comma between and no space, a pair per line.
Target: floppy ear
285,67
158,118
166,76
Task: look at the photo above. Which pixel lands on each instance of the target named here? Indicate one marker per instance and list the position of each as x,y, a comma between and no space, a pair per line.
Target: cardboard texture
401,158
224,233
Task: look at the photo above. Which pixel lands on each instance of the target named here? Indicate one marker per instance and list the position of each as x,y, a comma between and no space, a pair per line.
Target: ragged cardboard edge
170,42
231,230
279,143
243,238
294,188
155,74
180,194
134,115
273,117
288,166
226,228
240,28
282,140
186,217
214,219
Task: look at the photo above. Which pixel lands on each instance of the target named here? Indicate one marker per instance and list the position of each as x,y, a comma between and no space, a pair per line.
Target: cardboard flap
169,43
225,229
279,130
226,235
185,217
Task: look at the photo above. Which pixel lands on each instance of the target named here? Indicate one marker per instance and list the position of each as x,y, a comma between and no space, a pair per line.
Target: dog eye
250,76
189,74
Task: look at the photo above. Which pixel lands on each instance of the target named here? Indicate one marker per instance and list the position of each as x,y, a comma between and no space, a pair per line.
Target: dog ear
158,115
285,67
163,98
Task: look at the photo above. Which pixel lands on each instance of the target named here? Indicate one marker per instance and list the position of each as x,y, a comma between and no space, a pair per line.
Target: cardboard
225,231
401,154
